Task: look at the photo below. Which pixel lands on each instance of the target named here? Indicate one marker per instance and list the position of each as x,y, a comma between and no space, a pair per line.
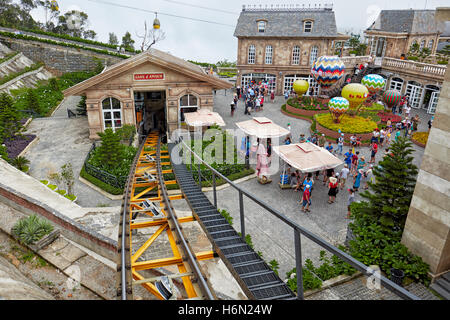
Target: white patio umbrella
306,157
203,118
262,127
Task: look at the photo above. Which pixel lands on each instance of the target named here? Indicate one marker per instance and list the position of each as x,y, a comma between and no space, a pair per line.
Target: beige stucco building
279,44
151,90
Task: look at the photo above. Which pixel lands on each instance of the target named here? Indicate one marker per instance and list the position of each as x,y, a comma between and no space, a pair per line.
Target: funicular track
147,205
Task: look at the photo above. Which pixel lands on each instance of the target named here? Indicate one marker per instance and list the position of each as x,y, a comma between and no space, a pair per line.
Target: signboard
148,76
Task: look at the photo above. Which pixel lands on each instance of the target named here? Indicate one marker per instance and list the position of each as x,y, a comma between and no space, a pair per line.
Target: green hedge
104,186
64,44
9,56
71,38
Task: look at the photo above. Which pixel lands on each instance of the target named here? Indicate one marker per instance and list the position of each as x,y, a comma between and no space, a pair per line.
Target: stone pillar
427,229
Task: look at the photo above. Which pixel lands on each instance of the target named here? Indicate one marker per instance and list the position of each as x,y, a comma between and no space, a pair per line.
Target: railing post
214,188
298,263
241,212
199,176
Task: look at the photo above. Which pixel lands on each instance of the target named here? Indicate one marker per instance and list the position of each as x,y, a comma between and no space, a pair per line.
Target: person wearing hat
340,144
332,189
369,177
322,140
306,199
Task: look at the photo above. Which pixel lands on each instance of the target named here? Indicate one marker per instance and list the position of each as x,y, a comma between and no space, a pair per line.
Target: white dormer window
307,26
261,26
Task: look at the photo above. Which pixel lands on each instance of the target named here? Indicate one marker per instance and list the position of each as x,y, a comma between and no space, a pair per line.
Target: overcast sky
207,42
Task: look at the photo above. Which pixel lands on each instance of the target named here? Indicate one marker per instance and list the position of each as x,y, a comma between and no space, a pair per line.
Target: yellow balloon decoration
300,87
355,93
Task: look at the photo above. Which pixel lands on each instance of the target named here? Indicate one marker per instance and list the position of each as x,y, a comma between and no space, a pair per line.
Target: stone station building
151,90
279,44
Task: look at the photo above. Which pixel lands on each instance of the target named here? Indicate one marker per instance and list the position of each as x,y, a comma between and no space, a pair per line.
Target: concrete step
29,80
442,286
15,64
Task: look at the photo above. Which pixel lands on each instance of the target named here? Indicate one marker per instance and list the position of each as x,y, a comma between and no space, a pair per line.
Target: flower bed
359,126
420,138
385,116
15,146
306,103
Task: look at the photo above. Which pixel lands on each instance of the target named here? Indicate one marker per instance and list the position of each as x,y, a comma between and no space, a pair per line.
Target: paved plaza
63,140
270,236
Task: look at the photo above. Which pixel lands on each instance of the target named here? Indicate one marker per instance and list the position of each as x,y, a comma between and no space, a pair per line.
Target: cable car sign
148,76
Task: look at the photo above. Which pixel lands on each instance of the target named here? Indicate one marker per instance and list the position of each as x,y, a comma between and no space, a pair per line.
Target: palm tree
21,163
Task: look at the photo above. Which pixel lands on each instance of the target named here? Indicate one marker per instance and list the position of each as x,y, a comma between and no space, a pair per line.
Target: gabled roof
156,57
405,21
287,23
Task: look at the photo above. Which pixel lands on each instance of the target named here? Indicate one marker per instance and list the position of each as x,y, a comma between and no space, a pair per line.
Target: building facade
390,36
280,44
152,90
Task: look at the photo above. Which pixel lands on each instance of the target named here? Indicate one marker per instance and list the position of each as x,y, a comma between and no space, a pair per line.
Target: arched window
188,103
261,26
251,54
422,44
269,54
430,44
112,113
307,26
313,55
296,55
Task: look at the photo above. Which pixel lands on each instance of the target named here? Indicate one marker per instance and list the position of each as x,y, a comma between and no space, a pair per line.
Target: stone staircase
442,286
16,64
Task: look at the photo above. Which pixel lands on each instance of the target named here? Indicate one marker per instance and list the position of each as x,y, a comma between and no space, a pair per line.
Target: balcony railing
350,61
435,70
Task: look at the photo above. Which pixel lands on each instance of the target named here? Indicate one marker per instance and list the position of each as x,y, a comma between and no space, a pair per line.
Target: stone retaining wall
59,59
69,228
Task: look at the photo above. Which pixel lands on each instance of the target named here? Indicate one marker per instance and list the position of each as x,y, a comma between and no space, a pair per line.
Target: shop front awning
263,128
203,118
307,157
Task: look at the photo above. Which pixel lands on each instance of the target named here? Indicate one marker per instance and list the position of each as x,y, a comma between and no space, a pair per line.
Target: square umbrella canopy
203,118
307,157
263,128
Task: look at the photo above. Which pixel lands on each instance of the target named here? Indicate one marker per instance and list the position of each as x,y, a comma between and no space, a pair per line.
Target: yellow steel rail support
136,199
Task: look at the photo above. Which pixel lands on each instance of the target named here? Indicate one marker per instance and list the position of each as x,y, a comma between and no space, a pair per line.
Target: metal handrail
298,231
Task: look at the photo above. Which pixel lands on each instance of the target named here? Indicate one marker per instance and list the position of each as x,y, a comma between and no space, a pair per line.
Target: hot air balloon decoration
356,94
338,106
374,83
300,87
327,70
391,98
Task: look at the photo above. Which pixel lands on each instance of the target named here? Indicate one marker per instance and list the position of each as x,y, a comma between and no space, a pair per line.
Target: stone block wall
59,59
427,229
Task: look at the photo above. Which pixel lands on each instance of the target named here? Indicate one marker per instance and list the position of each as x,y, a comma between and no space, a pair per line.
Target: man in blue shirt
329,147
348,158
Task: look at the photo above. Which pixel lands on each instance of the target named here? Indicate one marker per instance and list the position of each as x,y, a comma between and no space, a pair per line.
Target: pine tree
391,194
110,151
81,107
9,117
32,101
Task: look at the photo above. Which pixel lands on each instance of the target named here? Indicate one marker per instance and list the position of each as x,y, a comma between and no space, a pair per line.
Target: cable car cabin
54,5
152,91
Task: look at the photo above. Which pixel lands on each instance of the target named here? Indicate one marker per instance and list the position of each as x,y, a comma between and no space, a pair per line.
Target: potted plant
61,192
397,274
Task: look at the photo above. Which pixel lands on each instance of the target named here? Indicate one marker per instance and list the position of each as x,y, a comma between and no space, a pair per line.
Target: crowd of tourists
253,97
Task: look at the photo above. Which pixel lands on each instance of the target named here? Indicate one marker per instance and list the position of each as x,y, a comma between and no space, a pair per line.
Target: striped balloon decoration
373,82
327,70
338,105
391,97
